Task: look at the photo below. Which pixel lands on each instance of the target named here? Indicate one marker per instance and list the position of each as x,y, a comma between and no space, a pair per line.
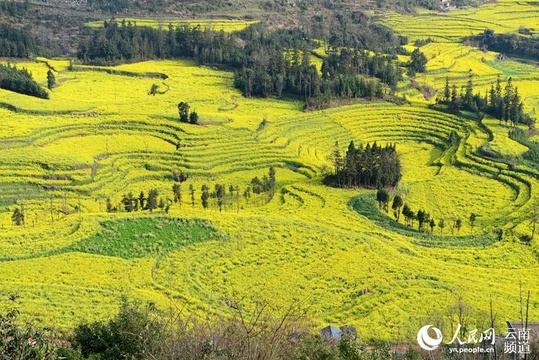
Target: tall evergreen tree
396,206
152,201
418,62
142,200
205,196
382,196
183,110
51,79
177,193
472,219
220,193
128,202
432,225
441,225
17,217
192,193
447,90
272,183
193,117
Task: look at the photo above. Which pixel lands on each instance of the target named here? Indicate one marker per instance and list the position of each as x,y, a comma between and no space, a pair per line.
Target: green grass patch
141,237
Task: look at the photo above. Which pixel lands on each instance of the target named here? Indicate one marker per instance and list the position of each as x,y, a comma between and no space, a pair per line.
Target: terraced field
503,16
102,135
449,58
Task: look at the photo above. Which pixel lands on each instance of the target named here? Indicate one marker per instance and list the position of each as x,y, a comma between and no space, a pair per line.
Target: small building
331,332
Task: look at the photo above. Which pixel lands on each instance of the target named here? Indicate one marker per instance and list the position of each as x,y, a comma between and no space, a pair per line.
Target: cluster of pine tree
21,81
346,74
504,104
266,184
266,62
16,43
418,63
375,166
277,75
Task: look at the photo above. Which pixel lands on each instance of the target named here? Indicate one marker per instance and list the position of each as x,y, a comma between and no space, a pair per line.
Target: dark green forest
265,62
21,81
17,43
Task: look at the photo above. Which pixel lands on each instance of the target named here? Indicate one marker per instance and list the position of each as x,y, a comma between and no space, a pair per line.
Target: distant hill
59,24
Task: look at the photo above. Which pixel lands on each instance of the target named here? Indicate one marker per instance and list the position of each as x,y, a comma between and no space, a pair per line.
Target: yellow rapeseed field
102,135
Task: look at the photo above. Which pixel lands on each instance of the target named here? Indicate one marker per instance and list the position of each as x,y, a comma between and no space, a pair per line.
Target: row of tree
220,194
504,104
365,166
423,218
20,81
125,42
130,203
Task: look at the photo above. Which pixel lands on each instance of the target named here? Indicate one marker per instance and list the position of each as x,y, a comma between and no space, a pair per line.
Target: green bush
133,334
23,342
